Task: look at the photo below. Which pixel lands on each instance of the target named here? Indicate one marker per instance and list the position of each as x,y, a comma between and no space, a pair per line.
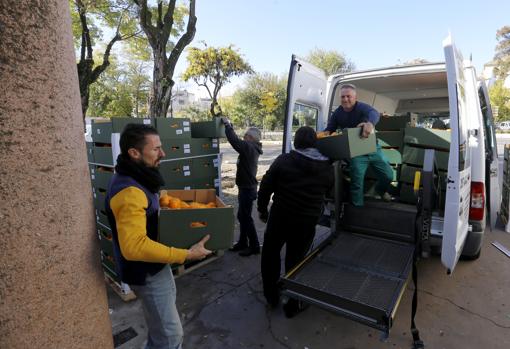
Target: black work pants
248,234
284,228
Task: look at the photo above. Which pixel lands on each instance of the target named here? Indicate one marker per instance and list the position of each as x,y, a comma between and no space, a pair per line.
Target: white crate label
216,182
186,146
147,121
178,132
185,168
185,123
187,173
186,129
94,195
215,140
92,170
215,162
98,131
93,177
187,151
215,145
187,188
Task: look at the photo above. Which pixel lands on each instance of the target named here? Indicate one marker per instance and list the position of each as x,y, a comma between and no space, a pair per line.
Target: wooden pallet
188,267
126,297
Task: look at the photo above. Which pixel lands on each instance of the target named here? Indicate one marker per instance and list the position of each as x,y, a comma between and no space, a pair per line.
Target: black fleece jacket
247,161
299,184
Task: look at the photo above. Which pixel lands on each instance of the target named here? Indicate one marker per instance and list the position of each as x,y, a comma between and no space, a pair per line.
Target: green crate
407,194
208,182
176,148
414,156
390,139
108,263
204,146
99,198
102,218
90,151
208,129
175,226
100,176
428,138
407,174
393,156
103,155
182,184
392,123
205,166
105,239
171,128
347,145
102,129
176,170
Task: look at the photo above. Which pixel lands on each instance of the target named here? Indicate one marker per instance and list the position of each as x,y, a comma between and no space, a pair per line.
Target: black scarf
149,177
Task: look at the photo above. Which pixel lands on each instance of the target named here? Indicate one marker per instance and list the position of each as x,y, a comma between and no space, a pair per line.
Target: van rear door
306,99
458,186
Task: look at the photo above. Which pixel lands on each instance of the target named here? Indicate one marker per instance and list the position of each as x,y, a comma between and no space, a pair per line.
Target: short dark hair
305,137
133,136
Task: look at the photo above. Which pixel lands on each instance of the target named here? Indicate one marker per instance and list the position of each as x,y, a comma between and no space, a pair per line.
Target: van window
462,108
304,115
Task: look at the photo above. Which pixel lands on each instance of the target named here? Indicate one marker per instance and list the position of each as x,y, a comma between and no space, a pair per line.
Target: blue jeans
248,233
358,168
161,315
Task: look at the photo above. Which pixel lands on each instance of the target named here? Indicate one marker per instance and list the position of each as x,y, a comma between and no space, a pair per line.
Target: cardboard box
428,138
185,227
100,176
208,129
171,128
347,145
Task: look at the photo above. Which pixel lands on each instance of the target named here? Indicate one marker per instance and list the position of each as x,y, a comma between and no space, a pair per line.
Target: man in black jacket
249,149
298,182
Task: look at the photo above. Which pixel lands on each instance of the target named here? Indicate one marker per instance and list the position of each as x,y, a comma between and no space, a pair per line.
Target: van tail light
477,204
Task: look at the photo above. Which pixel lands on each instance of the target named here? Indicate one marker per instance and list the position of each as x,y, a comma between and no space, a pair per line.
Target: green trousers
358,168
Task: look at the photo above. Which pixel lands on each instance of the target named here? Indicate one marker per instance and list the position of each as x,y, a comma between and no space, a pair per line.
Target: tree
159,31
502,57
212,68
332,62
111,14
500,99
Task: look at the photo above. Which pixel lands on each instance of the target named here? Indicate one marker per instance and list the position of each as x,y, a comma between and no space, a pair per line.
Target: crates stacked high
416,140
505,194
102,154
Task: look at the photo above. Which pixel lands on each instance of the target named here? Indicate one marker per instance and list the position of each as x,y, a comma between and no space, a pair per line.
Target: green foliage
500,100
332,62
260,103
212,68
194,113
502,57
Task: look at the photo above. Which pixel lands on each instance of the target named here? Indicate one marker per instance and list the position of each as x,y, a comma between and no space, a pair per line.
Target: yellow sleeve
128,207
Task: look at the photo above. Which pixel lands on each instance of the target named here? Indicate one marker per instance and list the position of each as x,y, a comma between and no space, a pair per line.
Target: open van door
306,99
458,188
491,156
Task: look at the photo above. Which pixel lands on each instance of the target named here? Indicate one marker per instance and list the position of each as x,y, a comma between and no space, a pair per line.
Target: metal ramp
359,277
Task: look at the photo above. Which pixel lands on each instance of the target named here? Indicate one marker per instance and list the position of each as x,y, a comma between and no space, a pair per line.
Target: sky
371,34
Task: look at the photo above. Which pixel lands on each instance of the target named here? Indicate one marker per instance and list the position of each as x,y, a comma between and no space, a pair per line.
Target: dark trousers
284,228
248,233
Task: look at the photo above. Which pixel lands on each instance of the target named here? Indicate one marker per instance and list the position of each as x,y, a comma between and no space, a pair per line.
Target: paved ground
221,306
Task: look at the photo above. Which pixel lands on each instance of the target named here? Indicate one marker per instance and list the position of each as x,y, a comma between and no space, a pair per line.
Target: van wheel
471,257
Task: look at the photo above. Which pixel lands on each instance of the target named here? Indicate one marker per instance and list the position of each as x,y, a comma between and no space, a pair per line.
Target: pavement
222,306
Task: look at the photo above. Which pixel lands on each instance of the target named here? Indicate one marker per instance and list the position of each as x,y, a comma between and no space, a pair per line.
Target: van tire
471,257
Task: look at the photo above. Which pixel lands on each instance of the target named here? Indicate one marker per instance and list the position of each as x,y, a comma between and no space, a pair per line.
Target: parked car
504,125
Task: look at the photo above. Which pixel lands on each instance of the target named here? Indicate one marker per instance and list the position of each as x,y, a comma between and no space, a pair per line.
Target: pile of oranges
173,202
323,134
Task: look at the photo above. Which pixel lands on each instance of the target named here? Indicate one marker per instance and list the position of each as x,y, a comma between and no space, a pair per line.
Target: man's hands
198,251
225,121
368,128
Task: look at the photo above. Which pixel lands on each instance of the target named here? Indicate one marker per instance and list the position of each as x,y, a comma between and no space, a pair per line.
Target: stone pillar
52,293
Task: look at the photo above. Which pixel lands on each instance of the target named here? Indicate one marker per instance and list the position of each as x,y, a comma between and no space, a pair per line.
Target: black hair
305,137
133,136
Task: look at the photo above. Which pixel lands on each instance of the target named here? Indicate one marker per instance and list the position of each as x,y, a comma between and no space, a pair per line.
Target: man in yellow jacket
132,206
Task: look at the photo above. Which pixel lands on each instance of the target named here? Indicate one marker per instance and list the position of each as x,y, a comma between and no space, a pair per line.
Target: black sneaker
238,247
293,307
249,251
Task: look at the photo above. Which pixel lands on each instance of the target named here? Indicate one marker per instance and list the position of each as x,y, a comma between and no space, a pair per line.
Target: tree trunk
52,292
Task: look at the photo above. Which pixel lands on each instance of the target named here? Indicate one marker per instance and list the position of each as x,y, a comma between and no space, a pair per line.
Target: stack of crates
192,161
416,140
505,194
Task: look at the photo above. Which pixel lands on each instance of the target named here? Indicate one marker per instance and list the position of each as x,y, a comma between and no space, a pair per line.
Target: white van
361,271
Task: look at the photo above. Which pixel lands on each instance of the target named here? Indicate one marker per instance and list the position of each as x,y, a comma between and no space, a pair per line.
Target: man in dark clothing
249,149
352,113
298,182
132,206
